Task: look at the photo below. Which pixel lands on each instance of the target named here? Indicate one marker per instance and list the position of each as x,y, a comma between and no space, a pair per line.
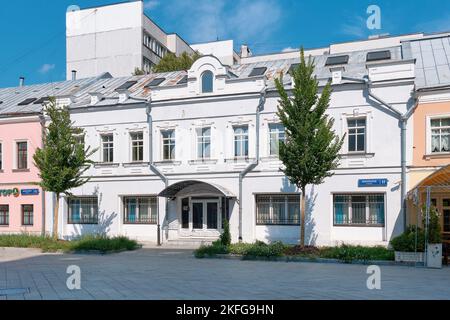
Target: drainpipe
253,165
153,168
403,118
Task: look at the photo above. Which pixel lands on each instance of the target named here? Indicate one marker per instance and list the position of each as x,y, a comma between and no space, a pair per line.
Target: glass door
197,215
206,215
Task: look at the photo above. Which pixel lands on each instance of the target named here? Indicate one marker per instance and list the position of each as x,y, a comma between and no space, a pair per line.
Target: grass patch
87,243
344,253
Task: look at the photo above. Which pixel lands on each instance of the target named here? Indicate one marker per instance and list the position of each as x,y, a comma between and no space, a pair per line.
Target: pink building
21,200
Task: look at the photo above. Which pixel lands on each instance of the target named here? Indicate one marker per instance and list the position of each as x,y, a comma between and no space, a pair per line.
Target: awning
438,181
173,190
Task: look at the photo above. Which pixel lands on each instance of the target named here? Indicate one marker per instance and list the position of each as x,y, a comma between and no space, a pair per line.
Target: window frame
95,215
429,134
30,217
5,215
277,124
367,209
357,127
202,141
109,148
202,81
153,218
284,222
140,145
246,139
172,155
17,155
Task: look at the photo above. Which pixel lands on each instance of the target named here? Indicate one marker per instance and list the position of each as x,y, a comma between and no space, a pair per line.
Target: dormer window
207,82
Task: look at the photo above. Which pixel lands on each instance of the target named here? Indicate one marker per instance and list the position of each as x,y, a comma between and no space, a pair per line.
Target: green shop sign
10,192
17,193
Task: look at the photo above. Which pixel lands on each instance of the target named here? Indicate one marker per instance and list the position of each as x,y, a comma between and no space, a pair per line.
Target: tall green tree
63,160
170,62
310,152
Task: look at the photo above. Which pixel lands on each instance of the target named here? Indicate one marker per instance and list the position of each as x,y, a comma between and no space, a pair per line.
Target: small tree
62,161
171,62
311,149
225,238
138,72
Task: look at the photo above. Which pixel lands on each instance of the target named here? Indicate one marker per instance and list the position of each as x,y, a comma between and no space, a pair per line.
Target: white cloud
151,4
46,68
357,28
289,49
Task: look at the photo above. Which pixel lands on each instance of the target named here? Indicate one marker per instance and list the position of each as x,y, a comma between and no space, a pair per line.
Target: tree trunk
55,218
302,216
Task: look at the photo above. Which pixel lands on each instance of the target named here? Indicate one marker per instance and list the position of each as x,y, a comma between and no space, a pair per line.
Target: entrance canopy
438,181
195,187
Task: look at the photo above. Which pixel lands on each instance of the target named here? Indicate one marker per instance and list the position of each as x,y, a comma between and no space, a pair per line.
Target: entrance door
206,215
442,204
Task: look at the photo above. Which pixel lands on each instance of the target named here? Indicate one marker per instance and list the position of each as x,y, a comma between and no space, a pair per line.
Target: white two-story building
180,152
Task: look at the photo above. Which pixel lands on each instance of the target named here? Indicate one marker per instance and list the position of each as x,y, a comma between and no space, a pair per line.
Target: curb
307,260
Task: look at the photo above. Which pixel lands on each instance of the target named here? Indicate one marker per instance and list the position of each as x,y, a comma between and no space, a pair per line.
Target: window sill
237,160
277,225
358,155
270,158
136,164
203,161
139,223
106,165
83,224
440,155
20,170
359,225
168,163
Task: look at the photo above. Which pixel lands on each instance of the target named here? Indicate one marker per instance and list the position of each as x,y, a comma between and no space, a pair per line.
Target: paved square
176,274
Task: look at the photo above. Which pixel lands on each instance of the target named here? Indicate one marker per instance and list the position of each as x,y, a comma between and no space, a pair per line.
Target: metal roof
432,56
173,190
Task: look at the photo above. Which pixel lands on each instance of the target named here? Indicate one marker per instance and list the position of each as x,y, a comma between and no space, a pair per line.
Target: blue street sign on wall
364,183
30,192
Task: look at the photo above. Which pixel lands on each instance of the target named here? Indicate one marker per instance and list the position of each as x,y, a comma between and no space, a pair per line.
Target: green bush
406,242
348,254
260,249
434,227
103,244
225,238
212,250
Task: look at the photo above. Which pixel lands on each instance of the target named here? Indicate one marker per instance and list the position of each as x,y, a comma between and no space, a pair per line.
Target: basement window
27,101
332,61
156,82
258,72
378,55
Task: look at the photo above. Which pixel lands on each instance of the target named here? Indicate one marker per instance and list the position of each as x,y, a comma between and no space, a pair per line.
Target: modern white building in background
121,38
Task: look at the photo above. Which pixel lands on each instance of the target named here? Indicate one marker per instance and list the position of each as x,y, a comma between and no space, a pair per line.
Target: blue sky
33,31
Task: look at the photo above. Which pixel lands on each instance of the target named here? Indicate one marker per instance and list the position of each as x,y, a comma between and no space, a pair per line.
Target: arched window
207,82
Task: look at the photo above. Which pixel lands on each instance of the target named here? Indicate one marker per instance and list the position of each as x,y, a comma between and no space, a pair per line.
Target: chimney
21,81
124,94
336,75
96,97
245,51
74,75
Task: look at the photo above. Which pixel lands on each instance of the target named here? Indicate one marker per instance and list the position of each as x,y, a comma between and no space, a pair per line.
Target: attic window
183,80
379,55
27,101
293,67
332,61
127,85
156,82
42,100
258,72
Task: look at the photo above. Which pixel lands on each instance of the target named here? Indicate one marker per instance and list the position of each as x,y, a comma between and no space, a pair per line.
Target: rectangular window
241,142
277,209
277,135
137,147
357,135
80,139
204,143
22,155
4,215
27,214
140,210
168,141
359,209
108,148
440,135
83,210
